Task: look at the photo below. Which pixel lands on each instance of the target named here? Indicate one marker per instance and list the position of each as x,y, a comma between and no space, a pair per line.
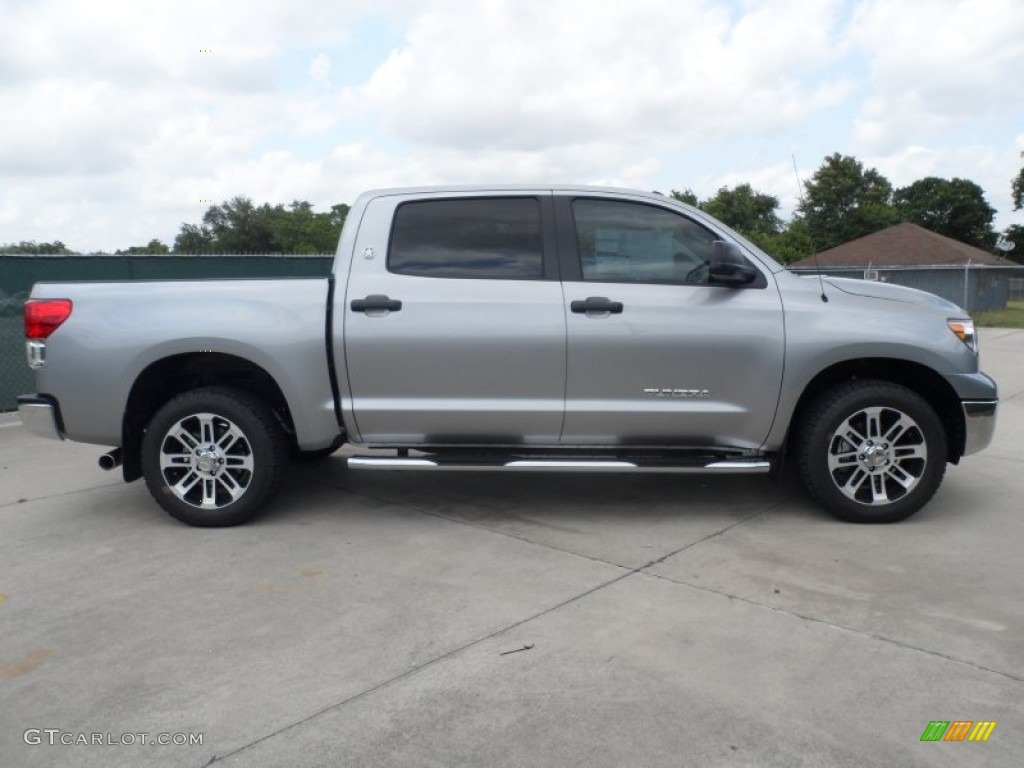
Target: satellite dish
1004,245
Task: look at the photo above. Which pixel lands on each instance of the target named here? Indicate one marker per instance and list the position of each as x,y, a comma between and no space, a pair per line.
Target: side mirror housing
729,267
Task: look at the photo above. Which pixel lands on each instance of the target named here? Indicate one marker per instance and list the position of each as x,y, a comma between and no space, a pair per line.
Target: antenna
817,266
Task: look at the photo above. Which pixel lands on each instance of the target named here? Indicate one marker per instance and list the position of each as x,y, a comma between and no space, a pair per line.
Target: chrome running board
732,466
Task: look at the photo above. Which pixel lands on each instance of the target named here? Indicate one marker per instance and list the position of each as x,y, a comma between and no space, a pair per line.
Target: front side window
624,242
494,238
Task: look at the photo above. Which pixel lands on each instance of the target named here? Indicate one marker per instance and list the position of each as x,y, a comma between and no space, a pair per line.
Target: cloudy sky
122,119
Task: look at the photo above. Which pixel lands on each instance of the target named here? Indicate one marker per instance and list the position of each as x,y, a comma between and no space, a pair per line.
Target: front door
657,355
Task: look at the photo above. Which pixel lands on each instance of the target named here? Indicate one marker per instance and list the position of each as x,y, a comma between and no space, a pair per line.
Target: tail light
44,316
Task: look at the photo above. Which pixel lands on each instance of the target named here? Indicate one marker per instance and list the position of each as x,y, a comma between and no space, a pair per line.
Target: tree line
842,201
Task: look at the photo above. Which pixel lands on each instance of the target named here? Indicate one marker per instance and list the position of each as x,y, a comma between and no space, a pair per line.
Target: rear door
656,354
453,321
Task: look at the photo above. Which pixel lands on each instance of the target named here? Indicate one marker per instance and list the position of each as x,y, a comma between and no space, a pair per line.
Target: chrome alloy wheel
877,456
206,461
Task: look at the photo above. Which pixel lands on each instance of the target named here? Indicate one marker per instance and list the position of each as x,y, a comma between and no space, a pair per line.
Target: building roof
904,244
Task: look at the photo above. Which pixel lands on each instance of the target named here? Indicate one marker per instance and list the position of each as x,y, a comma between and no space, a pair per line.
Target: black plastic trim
332,371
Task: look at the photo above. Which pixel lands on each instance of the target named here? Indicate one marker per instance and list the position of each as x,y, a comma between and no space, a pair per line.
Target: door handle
596,304
377,302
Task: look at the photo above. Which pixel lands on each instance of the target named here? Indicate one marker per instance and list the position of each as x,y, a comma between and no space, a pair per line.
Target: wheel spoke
843,460
186,484
901,476
238,462
897,430
904,452
174,460
184,437
206,428
228,440
209,500
874,421
849,433
878,493
230,485
854,483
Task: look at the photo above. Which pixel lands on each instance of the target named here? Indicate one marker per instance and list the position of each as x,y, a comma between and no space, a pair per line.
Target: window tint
475,238
626,242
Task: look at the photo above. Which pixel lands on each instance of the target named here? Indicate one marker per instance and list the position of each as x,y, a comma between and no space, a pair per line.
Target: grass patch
1010,316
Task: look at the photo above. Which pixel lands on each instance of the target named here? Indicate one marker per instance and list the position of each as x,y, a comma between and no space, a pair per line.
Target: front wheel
872,451
213,456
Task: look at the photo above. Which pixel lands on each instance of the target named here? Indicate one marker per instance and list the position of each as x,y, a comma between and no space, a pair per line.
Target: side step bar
732,466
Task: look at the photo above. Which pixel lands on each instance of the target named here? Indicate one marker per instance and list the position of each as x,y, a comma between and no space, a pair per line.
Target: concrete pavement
386,619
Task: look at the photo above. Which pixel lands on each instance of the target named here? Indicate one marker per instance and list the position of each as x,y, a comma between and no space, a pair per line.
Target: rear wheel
872,451
213,457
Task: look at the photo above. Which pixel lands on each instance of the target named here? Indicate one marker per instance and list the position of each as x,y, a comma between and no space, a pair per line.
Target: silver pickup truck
515,329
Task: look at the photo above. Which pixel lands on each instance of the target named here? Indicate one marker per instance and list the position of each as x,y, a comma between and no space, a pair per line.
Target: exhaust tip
111,460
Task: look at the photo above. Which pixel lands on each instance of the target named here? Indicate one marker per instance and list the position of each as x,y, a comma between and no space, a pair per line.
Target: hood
876,290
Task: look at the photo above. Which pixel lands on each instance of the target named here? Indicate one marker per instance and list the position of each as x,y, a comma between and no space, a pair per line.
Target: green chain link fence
19,273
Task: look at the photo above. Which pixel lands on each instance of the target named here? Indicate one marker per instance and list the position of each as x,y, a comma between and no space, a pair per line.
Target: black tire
871,451
213,457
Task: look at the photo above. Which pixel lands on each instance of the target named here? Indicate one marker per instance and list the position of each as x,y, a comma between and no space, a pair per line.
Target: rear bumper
40,415
979,424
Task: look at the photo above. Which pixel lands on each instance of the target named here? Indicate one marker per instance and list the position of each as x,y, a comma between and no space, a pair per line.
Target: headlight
964,330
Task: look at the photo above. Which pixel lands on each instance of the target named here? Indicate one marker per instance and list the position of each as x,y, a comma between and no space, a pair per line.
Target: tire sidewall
255,421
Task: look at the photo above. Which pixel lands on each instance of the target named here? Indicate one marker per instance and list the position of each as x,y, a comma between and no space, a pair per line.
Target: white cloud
534,74
122,125
320,70
937,65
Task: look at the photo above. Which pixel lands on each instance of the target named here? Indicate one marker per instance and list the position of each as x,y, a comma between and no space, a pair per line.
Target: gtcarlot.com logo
52,736
958,730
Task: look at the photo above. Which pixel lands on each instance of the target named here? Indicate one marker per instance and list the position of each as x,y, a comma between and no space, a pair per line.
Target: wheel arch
921,379
170,376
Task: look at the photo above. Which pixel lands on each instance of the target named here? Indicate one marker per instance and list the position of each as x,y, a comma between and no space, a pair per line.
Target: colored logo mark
958,730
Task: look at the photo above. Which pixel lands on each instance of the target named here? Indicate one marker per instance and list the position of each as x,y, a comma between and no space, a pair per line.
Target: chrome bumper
40,416
979,424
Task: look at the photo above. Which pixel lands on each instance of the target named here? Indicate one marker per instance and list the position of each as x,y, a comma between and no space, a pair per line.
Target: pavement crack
710,536
490,635
474,525
424,665
840,627
28,500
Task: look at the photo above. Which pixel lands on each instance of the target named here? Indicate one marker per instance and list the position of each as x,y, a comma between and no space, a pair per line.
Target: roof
904,244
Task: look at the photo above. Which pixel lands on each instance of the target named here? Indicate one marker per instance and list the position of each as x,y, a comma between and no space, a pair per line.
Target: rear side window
495,238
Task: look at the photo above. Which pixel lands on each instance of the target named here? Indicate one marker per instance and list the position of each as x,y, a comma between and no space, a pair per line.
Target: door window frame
571,260
550,263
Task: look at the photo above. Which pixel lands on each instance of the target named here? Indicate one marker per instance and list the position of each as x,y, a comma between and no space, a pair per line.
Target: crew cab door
657,354
453,322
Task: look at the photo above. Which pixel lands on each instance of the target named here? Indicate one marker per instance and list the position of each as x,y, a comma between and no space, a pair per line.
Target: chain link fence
1016,292
18,274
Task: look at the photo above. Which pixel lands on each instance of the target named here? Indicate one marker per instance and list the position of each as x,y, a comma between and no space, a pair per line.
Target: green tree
748,212
1018,189
792,243
240,226
952,207
153,247
33,248
686,196
844,201
193,239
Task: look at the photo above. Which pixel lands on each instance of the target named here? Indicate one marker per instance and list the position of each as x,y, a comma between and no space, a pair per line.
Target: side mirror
729,267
